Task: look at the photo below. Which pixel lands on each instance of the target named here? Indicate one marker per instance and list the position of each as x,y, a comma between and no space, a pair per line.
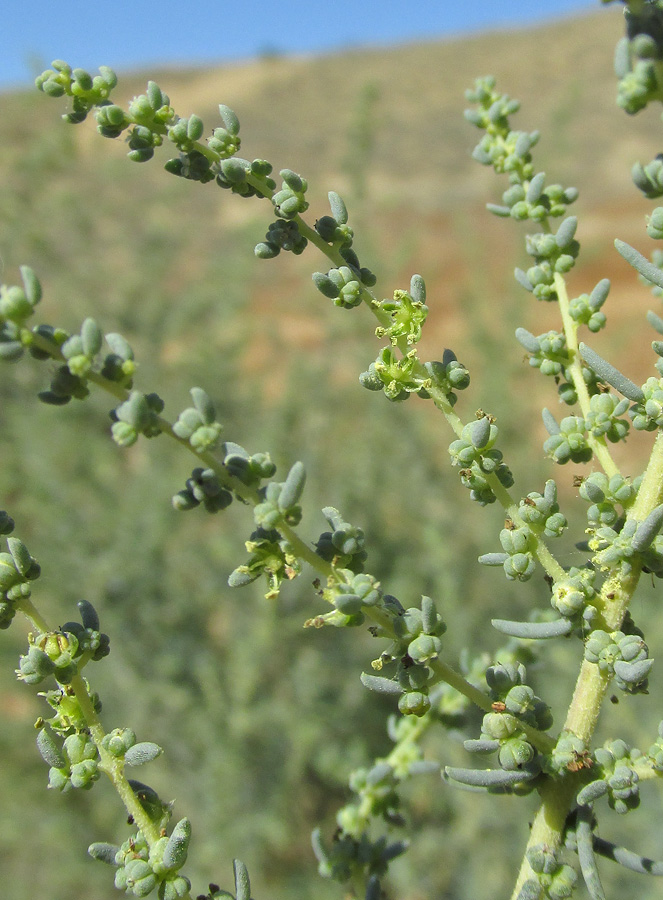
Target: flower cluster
141,868
514,704
608,497
568,439
202,486
541,511
73,765
408,314
445,376
569,754
638,57
138,414
647,415
270,556
630,543
539,515
197,424
553,879
345,284
18,569
622,656
575,596
586,309
344,544
205,486
63,653
553,254
396,376
479,461
86,91
547,352
618,767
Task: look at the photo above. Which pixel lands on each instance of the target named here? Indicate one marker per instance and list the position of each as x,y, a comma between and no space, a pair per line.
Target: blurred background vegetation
261,720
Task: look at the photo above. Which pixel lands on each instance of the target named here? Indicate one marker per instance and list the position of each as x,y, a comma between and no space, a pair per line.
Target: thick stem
557,796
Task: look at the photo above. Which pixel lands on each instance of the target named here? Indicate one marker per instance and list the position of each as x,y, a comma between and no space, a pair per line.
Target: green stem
598,444
445,672
250,495
558,796
112,766
208,458
31,612
548,824
455,680
650,493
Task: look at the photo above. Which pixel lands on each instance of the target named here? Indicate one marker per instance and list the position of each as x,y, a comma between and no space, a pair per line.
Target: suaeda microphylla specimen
521,751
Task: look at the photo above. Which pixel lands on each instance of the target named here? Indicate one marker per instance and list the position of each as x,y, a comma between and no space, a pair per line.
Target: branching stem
598,444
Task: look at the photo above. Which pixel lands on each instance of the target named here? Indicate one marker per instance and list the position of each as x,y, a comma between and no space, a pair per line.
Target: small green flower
414,703
81,764
271,557
281,235
408,316
647,415
618,764
569,444
290,201
137,415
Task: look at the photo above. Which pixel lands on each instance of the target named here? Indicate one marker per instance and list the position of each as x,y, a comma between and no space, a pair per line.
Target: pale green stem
650,492
112,766
445,672
366,807
597,444
583,713
31,612
208,458
455,680
557,795
542,553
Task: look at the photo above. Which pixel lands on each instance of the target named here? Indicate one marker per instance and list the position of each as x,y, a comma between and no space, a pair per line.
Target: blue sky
128,34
